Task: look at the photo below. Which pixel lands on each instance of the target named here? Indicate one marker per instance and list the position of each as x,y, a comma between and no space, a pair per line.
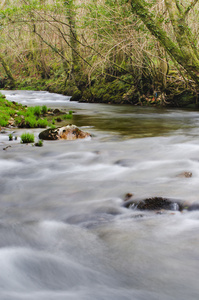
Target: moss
185,99
76,94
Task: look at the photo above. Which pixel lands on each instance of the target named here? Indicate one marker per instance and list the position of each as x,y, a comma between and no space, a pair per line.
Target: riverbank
109,89
13,114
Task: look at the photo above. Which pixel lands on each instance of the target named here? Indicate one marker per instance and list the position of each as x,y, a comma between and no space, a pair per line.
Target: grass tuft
27,138
44,109
39,143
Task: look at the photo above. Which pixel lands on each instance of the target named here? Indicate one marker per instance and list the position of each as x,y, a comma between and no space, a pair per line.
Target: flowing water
64,233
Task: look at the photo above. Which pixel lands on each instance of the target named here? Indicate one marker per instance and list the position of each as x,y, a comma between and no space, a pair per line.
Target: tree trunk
7,70
184,51
73,41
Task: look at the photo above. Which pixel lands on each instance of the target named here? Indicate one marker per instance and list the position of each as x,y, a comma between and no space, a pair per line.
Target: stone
69,132
56,111
58,119
193,207
154,203
185,174
128,196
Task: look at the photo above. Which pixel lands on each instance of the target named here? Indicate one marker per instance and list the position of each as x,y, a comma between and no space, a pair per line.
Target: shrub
27,138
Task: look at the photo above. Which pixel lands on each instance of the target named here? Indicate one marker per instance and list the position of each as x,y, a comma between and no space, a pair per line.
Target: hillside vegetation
110,51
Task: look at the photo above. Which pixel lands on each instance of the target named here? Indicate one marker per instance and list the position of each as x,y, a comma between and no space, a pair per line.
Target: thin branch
62,34
187,10
51,46
179,6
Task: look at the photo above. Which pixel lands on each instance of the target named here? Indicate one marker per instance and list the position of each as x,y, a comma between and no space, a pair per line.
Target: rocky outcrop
69,132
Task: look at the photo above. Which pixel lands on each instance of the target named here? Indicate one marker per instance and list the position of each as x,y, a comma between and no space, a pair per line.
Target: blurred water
64,233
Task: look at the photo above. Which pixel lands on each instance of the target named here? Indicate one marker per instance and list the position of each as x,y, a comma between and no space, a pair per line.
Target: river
64,233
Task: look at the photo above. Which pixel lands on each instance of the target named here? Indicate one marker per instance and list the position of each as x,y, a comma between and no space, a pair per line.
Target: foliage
27,138
44,109
37,111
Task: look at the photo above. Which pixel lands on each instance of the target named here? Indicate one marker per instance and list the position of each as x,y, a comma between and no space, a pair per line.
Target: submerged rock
155,203
69,132
185,174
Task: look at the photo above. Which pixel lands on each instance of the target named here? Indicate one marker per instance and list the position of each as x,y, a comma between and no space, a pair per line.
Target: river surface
64,233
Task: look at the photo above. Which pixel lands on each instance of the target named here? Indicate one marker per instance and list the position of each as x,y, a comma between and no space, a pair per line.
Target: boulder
154,203
56,111
69,132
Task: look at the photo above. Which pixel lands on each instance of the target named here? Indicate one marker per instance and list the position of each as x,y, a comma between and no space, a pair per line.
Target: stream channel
64,233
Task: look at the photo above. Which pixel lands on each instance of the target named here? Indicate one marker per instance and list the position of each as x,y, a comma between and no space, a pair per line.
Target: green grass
10,137
27,138
51,125
31,117
39,143
44,109
3,120
65,117
31,122
42,123
37,111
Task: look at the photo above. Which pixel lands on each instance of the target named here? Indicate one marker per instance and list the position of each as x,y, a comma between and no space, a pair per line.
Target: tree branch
187,10
179,6
51,46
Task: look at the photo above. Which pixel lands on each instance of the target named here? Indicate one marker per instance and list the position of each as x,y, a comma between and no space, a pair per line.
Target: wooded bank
132,52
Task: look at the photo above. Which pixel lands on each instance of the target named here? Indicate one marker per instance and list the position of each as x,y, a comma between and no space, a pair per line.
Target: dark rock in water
128,196
56,111
49,134
69,132
192,207
59,119
155,203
